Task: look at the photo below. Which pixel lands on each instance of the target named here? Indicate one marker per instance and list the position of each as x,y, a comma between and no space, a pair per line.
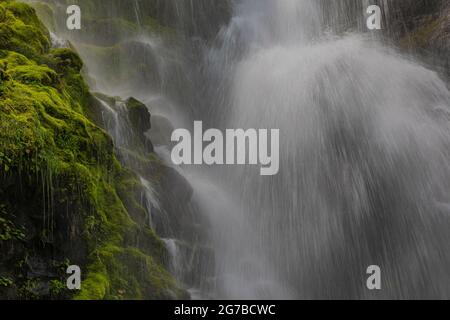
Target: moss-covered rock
21,30
62,199
139,118
63,58
45,13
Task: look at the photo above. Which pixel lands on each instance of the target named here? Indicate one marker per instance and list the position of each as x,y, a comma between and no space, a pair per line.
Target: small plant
9,231
27,290
57,288
6,282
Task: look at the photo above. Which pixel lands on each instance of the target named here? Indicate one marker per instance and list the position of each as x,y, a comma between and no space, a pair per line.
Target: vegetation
62,199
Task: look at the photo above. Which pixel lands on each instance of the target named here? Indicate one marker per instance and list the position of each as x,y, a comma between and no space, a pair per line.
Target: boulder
139,118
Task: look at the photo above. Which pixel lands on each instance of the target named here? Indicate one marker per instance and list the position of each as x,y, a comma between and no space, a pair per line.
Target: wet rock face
117,18
399,17
139,118
420,27
128,121
425,31
201,18
440,40
183,224
36,254
138,115
161,131
403,17
175,195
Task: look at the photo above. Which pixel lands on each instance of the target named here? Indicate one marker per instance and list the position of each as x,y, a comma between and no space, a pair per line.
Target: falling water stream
364,169
364,155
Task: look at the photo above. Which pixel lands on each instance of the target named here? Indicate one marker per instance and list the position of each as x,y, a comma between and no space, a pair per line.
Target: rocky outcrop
170,211
139,118
419,27
429,35
200,18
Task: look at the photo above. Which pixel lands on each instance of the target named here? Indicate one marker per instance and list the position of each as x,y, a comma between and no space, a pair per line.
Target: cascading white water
364,151
364,166
150,198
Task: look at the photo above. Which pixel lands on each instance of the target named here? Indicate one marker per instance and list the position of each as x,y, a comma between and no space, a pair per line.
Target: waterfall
364,146
150,198
364,168
137,12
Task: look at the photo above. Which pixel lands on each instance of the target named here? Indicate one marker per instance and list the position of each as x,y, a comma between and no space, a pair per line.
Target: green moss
95,286
52,150
34,74
66,58
6,282
149,165
21,30
45,13
129,190
57,288
8,229
131,274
